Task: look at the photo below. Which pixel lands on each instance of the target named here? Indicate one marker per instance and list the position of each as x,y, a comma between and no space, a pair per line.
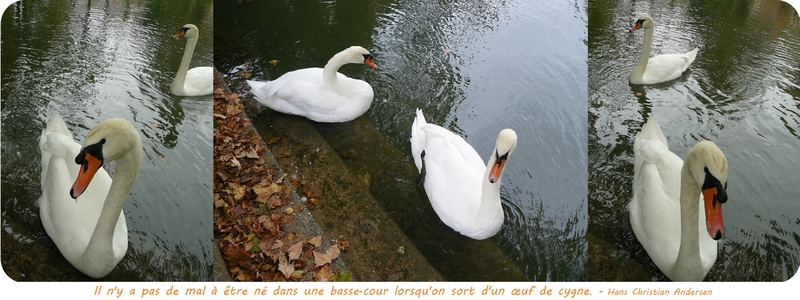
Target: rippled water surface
94,60
473,67
742,92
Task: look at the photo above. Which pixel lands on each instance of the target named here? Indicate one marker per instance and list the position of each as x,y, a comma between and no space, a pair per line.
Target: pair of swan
81,206
464,192
660,68
322,95
669,195
198,81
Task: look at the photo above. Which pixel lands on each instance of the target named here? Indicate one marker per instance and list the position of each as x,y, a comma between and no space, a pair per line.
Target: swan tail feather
690,56
261,90
54,139
56,124
651,131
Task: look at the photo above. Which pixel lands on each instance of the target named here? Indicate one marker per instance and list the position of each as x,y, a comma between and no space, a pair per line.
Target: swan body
463,190
84,220
197,81
322,95
668,198
660,68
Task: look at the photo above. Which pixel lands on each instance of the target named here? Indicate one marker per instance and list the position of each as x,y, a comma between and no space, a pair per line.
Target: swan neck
490,192
644,57
101,243
688,264
180,78
329,74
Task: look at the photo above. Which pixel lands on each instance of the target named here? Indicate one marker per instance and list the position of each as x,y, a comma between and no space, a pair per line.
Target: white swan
463,191
660,68
666,205
198,81
90,231
322,95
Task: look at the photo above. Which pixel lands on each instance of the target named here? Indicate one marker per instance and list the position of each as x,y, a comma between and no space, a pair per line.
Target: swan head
357,55
107,141
645,22
505,145
709,168
188,31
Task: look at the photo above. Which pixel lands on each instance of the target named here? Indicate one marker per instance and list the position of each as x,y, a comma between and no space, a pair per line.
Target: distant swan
198,81
85,219
660,68
322,95
463,190
676,210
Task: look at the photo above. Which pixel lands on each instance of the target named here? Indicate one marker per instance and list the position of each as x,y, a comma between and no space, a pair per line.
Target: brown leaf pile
252,206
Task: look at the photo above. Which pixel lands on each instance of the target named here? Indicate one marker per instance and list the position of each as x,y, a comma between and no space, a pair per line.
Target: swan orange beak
368,60
497,170
713,208
89,167
636,27
180,33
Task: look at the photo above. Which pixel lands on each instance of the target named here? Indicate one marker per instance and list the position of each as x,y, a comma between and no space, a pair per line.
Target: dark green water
93,60
741,92
474,68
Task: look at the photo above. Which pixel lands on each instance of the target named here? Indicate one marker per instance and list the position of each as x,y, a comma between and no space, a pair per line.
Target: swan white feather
463,190
90,231
660,68
197,81
665,211
322,95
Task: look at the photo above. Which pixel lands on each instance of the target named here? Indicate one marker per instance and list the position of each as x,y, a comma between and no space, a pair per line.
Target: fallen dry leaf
324,274
316,241
297,275
321,259
343,244
295,250
285,267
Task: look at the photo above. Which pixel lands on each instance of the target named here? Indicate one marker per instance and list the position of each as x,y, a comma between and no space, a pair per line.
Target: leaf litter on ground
253,205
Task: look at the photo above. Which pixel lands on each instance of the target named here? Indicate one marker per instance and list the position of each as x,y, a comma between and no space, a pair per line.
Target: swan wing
453,176
667,67
199,81
263,90
655,217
